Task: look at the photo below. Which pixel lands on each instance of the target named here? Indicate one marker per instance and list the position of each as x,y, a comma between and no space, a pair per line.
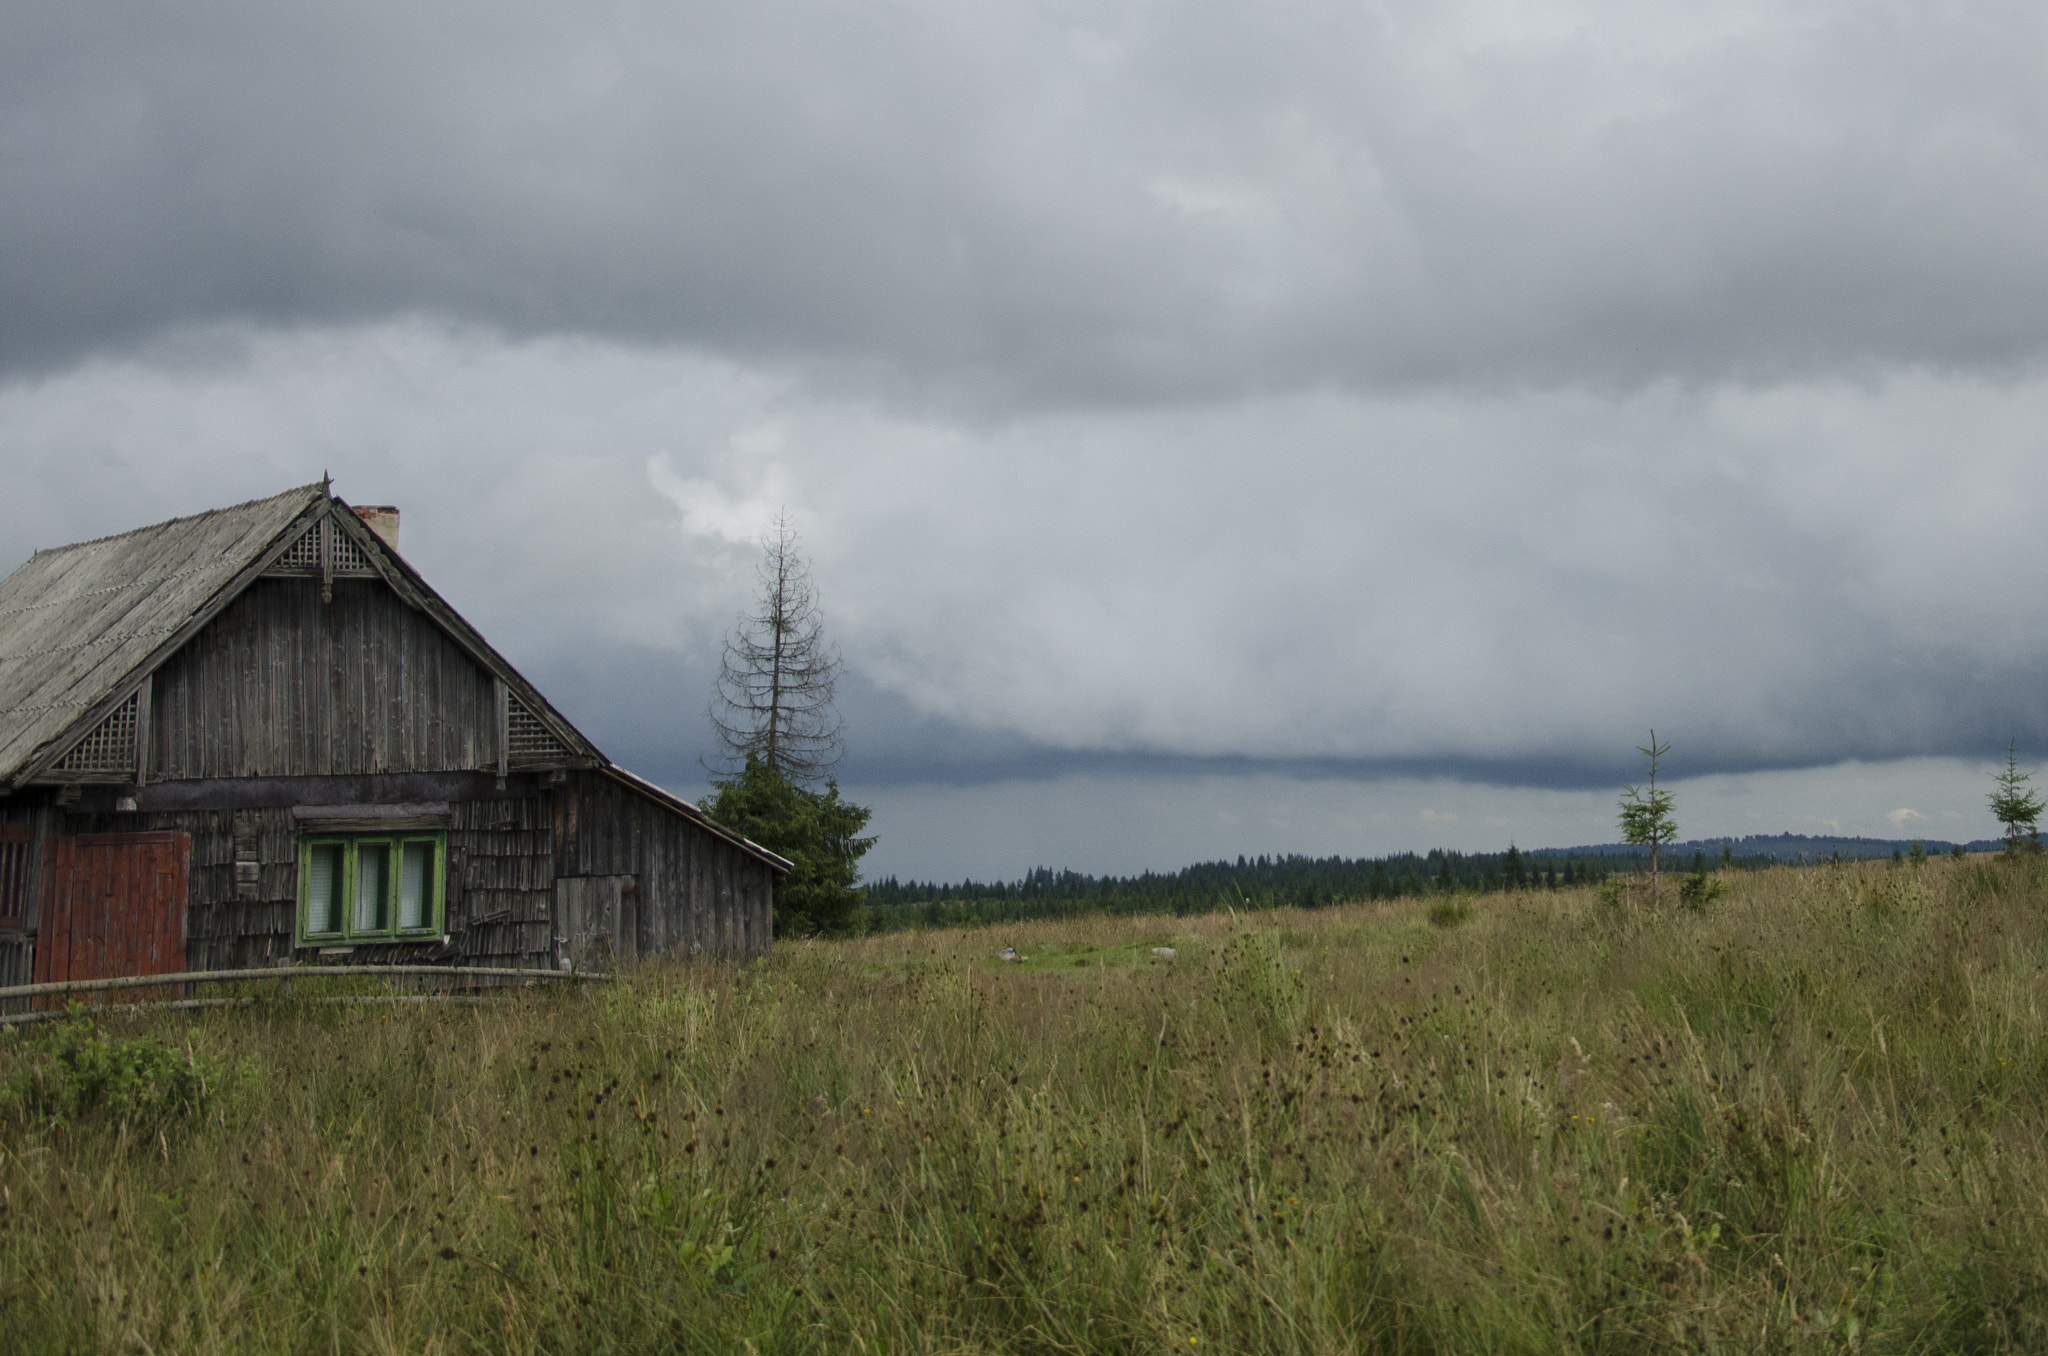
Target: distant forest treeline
1310,882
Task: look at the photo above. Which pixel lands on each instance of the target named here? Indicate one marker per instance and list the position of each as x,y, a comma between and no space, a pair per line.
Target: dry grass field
1806,1117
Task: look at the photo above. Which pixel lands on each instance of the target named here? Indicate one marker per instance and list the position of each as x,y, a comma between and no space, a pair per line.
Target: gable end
109,737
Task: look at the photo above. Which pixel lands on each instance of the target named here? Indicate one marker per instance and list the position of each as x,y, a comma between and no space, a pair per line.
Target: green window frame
372,887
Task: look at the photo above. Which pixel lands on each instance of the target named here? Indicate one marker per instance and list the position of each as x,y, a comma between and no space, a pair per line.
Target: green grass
1808,1117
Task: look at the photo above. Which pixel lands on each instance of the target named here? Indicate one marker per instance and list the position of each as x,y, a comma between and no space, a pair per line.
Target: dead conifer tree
776,681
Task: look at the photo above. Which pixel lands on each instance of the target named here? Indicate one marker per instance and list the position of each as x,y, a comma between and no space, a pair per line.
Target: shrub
75,1070
1449,911
1699,889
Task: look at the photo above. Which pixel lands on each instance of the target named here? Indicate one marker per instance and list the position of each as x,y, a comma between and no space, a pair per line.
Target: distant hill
1781,847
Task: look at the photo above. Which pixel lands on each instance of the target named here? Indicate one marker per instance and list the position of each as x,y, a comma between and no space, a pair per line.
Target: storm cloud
1172,396
1053,202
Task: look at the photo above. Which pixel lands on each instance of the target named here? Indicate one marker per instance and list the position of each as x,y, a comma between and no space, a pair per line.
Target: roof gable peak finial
326,484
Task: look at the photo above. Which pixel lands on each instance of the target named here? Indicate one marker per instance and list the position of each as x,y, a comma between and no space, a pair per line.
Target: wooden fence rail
283,972
207,1004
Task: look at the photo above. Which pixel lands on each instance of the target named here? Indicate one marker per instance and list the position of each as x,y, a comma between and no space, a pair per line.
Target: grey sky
1168,393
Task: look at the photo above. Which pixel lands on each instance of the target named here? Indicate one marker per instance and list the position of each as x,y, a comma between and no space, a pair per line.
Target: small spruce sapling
1646,812
2014,806
1700,888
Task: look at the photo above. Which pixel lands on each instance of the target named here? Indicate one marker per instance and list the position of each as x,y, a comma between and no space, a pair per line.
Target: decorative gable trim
322,548
108,746
327,552
528,740
115,750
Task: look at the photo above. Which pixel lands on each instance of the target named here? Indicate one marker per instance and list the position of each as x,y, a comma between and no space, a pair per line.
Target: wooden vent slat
347,556
111,745
303,554
344,557
527,739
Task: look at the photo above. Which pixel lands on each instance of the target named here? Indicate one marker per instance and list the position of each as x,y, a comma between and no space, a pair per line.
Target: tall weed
1806,1119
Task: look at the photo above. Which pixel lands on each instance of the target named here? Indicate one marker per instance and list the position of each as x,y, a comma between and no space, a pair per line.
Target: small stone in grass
1166,951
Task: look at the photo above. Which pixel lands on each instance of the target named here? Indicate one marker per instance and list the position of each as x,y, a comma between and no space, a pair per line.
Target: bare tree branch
778,675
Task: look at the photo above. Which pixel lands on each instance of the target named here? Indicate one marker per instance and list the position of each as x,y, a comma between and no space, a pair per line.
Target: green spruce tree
2013,805
818,832
1646,812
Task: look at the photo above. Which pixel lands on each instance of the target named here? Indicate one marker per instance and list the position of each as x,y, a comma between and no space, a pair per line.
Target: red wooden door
115,907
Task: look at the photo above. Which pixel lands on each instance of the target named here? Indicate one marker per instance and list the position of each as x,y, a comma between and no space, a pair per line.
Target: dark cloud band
1123,203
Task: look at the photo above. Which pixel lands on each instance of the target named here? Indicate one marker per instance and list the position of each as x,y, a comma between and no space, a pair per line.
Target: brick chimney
382,520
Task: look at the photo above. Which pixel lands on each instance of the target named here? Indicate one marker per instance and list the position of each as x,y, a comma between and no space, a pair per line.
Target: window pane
323,888
416,887
373,886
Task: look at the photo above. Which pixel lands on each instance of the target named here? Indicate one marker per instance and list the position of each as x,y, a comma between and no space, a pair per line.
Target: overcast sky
1217,428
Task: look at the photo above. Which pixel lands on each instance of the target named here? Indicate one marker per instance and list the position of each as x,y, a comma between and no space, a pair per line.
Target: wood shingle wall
501,881
500,884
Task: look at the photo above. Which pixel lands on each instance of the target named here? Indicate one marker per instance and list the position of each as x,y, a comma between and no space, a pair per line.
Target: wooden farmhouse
257,737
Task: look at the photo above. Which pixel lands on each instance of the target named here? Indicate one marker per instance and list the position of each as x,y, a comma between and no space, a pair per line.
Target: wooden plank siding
17,879
14,875
697,892
282,684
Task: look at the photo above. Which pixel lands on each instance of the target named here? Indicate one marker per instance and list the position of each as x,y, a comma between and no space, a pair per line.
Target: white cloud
710,509
1531,582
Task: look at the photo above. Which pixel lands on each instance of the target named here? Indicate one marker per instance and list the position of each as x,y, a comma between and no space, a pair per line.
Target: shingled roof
80,624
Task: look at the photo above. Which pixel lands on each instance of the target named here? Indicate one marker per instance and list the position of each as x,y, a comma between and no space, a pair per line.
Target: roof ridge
172,522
